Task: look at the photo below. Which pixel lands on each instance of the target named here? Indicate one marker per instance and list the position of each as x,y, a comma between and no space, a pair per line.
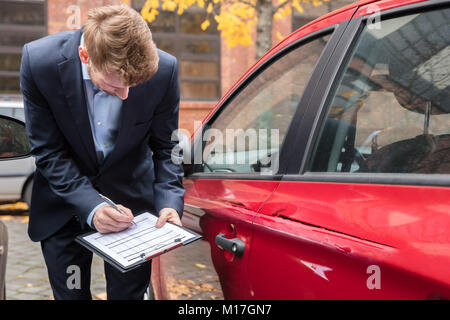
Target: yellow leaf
297,6
169,5
210,8
205,25
201,266
279,36
100,296
201,3
348,94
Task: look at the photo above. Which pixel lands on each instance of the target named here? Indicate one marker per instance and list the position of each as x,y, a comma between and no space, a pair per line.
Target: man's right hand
107,219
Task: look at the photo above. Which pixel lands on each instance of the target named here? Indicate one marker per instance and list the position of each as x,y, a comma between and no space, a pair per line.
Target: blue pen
112,204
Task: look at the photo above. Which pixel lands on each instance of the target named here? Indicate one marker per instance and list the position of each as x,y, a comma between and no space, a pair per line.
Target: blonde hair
118,39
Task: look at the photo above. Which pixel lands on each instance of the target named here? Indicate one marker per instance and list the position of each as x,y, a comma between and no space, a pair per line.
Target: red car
324,173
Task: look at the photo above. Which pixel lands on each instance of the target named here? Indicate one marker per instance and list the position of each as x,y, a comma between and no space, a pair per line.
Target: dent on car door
367,216
240,159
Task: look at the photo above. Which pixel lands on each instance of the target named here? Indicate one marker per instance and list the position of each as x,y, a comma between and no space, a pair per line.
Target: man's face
109,82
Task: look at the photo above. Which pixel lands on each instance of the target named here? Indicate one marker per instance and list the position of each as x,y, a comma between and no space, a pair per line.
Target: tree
235,18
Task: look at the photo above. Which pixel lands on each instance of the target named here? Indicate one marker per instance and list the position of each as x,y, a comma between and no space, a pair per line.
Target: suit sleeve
50,150
168,186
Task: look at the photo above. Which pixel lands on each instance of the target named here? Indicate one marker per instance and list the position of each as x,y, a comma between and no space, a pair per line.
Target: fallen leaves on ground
14,206
100,296
21,219
186,289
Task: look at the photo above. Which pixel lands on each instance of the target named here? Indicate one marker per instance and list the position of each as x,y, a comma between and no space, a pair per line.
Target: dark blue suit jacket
139,173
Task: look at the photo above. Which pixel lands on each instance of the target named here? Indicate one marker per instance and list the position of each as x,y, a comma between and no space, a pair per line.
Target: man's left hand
168,215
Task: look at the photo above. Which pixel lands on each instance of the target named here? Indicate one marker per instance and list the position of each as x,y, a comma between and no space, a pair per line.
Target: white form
139,241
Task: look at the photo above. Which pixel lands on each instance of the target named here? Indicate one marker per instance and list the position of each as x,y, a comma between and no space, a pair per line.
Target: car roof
337,11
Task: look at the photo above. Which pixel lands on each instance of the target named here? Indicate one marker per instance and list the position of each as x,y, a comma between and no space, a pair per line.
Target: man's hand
107,219
168,214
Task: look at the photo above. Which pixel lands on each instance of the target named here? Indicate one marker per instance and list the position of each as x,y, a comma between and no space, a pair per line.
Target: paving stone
22,296
27,278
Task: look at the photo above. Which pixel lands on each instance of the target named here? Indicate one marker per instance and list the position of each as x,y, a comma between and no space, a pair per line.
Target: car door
363,213
239,163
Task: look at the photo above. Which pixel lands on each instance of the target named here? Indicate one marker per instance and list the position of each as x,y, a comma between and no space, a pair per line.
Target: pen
112,204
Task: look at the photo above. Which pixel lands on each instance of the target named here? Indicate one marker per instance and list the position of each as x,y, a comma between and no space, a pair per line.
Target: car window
247,134
13,139
391,110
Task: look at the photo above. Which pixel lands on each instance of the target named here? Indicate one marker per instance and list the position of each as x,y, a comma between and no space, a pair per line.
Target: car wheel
27,192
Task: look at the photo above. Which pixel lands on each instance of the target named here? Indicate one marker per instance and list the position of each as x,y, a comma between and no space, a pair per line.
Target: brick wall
71,14
63,15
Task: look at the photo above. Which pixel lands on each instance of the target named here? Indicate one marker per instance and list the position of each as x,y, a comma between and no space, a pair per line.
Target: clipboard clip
178,242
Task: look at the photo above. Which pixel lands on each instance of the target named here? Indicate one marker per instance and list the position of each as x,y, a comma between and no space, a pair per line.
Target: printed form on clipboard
139,243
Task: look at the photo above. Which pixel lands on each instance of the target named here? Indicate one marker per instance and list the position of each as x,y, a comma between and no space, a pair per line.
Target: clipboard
130,248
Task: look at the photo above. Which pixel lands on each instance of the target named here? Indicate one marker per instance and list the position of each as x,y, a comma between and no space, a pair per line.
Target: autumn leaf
205,25
236,20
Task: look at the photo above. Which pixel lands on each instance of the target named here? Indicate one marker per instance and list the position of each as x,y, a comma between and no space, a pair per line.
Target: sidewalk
188,271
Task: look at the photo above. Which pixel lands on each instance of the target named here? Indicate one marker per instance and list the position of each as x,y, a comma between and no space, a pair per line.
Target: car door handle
235,245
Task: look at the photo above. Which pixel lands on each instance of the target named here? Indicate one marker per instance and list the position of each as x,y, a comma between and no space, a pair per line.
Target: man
101,104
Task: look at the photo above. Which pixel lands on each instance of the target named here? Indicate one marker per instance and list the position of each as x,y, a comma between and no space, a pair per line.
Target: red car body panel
316,240
227,207
368,9
347,228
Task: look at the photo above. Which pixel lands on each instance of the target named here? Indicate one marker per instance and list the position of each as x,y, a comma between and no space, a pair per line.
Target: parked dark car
340,187
13,145
16,175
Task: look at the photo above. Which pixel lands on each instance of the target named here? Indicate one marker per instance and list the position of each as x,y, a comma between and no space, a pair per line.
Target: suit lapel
71,79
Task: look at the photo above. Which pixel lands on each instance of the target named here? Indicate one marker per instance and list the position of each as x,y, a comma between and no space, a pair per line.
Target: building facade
207,67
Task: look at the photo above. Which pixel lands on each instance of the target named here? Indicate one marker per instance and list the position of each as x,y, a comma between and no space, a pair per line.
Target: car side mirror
13,139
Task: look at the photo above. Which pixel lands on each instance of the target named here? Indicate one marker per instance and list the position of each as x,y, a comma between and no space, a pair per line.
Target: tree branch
248,3
282,5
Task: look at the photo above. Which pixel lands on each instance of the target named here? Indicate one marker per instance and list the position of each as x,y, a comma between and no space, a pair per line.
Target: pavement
187,272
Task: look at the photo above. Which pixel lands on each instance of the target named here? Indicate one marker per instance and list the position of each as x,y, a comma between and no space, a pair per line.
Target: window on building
198,51
20,22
